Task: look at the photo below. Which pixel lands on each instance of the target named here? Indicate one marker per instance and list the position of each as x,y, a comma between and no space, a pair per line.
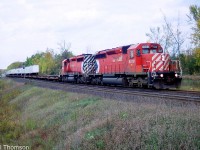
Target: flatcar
141,65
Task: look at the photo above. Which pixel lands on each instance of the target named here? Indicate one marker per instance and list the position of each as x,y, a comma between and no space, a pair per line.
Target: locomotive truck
140,65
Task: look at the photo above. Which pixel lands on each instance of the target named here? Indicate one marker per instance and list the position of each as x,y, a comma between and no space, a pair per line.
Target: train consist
140,65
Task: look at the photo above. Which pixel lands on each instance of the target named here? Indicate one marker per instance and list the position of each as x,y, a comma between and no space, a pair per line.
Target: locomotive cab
162,71
152,67
140,57
152,59
65,66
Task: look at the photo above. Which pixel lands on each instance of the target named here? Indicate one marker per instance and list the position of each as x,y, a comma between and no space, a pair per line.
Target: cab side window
160,51
131,54
138,52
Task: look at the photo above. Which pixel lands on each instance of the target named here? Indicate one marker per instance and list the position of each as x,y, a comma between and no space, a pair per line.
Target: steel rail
170,95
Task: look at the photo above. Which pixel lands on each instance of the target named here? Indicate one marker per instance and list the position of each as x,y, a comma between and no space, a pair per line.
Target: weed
190,84
10,129
123,115
84,102
100,144
30,124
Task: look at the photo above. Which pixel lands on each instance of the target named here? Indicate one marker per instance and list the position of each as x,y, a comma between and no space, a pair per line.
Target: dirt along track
171,97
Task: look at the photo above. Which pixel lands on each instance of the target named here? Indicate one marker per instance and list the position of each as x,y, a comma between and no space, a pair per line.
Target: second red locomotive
141,65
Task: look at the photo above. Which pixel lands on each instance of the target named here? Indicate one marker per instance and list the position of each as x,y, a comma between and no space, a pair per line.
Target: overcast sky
30,26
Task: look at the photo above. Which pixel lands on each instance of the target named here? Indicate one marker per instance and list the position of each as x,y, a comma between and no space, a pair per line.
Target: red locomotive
141,65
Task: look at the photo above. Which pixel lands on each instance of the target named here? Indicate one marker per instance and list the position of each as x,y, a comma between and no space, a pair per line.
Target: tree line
48,61
191,60
171,38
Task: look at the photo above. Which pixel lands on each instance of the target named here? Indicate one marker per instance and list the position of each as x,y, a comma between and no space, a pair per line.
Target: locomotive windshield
147,51
160,50
152,51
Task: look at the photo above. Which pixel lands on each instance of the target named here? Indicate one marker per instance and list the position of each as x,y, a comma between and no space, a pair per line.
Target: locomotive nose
160,62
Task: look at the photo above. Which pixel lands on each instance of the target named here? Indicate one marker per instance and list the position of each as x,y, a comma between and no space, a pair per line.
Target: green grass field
48,119
191,83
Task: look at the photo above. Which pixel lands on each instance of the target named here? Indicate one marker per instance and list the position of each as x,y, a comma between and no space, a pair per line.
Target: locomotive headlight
176,75
161,75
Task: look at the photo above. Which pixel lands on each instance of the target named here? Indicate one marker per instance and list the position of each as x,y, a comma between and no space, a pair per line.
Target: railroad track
130,94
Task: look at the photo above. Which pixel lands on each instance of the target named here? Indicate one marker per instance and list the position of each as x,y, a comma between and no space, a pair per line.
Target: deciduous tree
169,37
195,19
15,65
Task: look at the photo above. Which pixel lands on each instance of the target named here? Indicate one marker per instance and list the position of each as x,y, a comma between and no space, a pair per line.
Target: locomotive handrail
149,65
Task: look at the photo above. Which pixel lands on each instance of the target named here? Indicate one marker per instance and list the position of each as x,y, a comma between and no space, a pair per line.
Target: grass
47,119
191,83
10,127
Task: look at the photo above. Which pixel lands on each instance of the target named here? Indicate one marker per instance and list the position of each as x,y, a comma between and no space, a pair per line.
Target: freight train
135,65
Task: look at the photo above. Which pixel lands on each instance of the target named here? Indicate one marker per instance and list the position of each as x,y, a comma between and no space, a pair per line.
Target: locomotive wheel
125,82
158,85
78,81
145,86
93,81
102,83
140,82
96,82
